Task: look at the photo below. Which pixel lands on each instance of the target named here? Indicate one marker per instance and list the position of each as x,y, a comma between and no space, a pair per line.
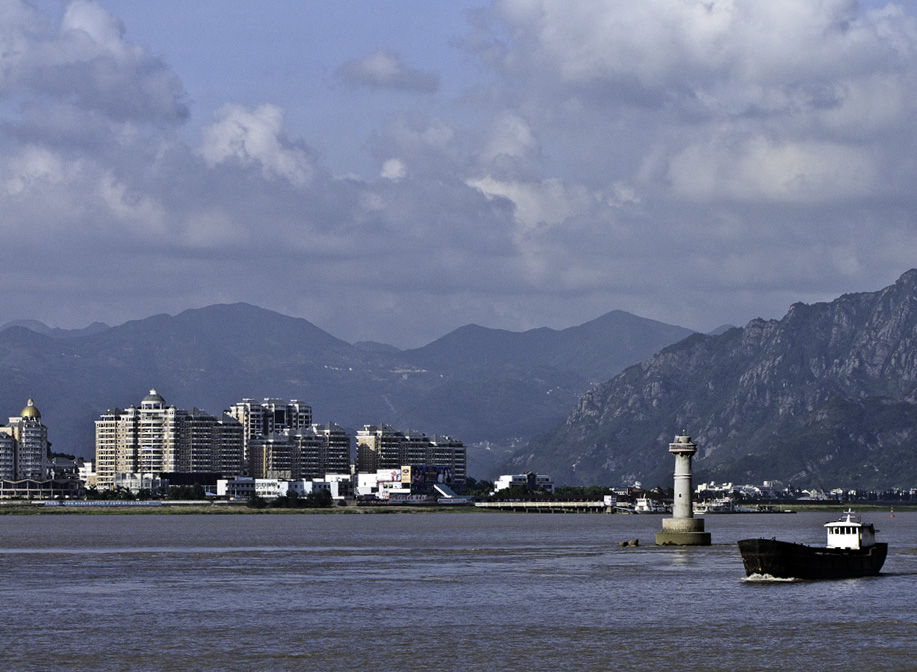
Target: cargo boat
851,552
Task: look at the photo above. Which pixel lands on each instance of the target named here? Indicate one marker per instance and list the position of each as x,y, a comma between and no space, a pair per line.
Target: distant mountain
372,346
825,396
520,383
55,332
593,351
212,357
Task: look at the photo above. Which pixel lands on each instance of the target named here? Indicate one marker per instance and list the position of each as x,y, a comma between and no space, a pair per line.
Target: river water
450,591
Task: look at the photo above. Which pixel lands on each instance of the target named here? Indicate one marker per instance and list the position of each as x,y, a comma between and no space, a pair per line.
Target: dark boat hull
785,560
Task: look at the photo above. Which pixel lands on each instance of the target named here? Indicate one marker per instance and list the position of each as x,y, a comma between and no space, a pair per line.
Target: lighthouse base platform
682,532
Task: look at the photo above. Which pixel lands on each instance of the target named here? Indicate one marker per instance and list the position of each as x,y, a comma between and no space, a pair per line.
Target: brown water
438,591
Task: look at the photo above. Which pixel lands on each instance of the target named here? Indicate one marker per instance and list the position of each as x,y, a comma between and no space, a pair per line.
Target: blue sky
287,52
394,170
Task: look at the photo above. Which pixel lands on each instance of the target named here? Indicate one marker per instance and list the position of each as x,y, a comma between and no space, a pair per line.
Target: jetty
546,507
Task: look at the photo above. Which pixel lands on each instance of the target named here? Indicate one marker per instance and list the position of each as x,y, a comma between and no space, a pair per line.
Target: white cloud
536,203
86,64
255,137
385,70
139,211
766,146
757,169
32,167
393,169
696,43
510,137
622,194
103,30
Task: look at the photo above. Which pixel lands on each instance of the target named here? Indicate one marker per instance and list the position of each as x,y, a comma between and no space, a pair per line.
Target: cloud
759,170
33,165
777,102
692,162
383,69
686,46
87,64
394,169
249,137
548,202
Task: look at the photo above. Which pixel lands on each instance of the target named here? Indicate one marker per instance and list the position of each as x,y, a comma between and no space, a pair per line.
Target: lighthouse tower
683,529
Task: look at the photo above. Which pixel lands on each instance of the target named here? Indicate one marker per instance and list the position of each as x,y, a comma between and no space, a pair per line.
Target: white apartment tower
157,438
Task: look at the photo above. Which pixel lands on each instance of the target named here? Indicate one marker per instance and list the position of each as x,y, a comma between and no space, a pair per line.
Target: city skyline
393,171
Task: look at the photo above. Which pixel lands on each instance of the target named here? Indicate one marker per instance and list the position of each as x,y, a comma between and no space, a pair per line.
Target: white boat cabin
647,505
849,532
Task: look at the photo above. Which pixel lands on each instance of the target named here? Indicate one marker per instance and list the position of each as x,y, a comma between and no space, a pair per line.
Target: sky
393,170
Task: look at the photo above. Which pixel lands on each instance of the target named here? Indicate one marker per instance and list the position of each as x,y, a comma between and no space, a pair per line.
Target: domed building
24,446
158,438
30,411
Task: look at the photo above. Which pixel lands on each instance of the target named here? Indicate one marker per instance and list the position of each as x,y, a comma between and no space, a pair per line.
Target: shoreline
216,509
194,507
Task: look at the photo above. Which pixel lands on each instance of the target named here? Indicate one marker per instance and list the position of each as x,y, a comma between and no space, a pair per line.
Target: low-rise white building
137,481
378,483
338,485
86,472
529,479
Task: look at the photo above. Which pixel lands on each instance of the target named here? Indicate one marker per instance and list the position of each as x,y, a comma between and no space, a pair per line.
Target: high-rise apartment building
7,456
24,446
262,418
271,456
335,448
157,438
308,453
378,447
384,447
447,451
214,444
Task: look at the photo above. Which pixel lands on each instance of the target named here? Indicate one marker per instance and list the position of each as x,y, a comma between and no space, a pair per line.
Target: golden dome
30,411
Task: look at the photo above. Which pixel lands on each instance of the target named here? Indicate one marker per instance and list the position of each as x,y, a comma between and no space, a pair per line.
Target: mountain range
481,385
825,396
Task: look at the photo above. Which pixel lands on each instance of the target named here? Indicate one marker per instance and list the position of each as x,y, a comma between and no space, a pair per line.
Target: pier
546,507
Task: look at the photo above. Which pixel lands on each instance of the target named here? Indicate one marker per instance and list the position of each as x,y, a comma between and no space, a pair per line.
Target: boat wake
767,577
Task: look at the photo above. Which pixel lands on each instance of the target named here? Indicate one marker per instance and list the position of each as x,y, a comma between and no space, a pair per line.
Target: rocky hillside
825,396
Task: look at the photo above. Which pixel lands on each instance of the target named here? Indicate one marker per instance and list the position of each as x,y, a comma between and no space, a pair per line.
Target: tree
320,499
256,502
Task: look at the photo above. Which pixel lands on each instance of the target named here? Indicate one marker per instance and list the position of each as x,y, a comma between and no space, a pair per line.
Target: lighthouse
683,529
